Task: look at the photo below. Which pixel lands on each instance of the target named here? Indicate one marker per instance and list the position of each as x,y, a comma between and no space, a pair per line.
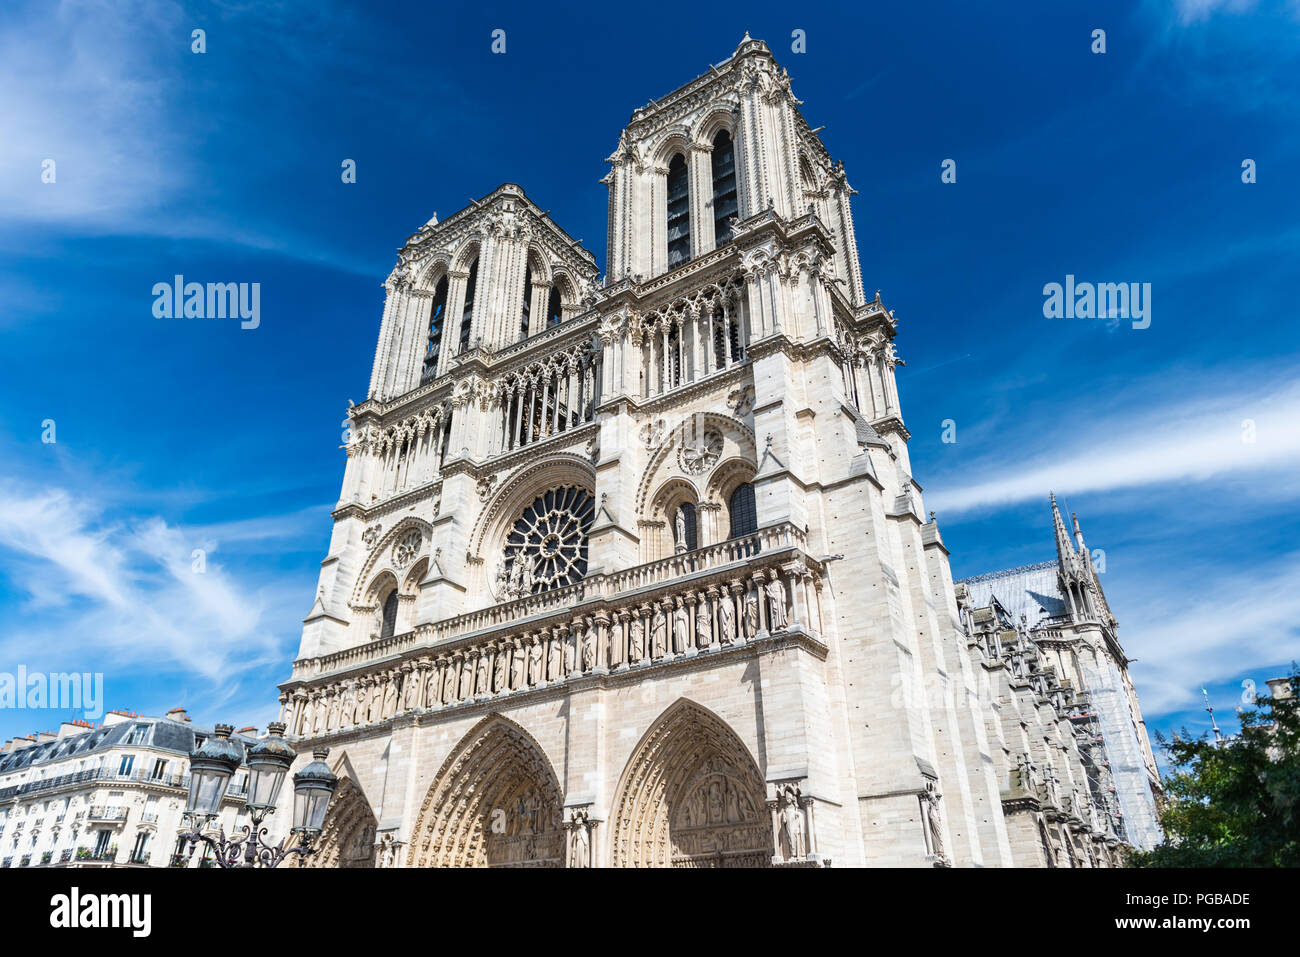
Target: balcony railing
99,774
107,814
106,854
65,855
675,568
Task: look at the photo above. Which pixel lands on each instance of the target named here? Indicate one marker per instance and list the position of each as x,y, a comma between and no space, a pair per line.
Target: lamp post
211,767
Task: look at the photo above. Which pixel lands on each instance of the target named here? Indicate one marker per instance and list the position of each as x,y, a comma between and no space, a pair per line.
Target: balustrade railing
709,558
689,604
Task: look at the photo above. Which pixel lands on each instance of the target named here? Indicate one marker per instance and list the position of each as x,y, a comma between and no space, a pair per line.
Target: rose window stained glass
548,546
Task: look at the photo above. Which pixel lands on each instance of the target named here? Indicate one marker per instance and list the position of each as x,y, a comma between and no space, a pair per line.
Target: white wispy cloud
1195,439
126,594
1206,625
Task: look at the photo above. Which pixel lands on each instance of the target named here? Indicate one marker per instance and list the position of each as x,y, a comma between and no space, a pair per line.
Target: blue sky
225,166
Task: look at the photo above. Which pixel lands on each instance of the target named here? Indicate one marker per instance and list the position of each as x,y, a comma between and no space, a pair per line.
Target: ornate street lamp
211,767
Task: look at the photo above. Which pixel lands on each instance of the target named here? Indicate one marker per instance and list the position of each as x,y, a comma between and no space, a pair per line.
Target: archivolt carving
348,836
512,496
691,796
496,802
700,423
382,550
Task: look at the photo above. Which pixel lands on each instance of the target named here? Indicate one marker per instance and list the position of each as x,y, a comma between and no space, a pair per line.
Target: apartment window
138,854
159,770
138,734
127,763
679,212
101,842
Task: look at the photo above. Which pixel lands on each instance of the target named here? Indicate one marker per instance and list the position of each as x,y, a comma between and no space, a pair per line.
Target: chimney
251,731
178,714
1280,687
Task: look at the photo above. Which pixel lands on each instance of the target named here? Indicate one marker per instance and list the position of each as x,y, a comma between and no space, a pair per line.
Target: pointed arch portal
348,836
691,797
495,803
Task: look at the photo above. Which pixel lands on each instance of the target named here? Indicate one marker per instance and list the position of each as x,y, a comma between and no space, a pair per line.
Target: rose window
547,548
407,548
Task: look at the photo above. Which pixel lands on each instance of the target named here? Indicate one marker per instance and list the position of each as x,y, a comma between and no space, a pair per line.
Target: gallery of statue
634,571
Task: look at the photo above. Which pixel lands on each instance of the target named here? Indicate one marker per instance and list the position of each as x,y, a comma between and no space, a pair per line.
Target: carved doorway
495,803
691,796
348,835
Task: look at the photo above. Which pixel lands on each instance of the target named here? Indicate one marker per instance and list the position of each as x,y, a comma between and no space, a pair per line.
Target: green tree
1235,803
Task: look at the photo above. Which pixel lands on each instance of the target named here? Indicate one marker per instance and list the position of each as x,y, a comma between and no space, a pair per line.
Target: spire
1218,738
1064,550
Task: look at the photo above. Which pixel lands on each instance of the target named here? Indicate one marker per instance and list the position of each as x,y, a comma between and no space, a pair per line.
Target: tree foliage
1235,803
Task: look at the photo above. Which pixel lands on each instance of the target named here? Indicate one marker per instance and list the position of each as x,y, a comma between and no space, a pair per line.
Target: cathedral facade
633,571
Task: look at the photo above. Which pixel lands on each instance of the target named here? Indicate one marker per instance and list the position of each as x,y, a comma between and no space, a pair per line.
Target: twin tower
634,571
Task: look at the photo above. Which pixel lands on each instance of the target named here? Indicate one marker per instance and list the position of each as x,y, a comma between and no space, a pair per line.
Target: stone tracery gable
691,796
348,835
496,802
663,464
381,559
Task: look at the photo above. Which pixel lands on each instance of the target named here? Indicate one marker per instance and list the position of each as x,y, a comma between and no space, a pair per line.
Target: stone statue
658,633
751,614
792,836
553,657
466,679
515,583
726,619
376,711
679,528
526,579
589,639
776,602
636,646
581,855
390,697
482,675
498,670
681,626
534,662
448,682
410,685
359,705
516,665
703,623
569,653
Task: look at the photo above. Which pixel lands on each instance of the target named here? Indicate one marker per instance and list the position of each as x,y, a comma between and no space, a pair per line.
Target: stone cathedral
633,571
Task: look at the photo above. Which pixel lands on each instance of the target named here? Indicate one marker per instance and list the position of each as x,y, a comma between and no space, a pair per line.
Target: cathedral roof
1031,590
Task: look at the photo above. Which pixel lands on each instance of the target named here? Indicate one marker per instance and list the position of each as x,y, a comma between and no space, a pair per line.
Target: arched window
554,308
744,518
528,302
685,530
679,212
388,627
435,328
725,205
468,312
